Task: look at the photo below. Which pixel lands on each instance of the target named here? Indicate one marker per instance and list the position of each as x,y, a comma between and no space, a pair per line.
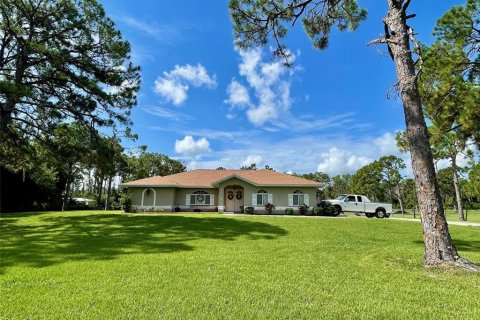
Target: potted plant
269,207
249,210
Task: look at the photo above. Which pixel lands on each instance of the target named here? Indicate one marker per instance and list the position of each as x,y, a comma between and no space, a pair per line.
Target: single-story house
222,190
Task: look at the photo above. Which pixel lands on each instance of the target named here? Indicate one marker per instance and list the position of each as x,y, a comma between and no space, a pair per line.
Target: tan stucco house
222,190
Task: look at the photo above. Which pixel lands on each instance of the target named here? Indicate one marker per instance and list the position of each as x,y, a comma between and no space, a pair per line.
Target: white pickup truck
359,203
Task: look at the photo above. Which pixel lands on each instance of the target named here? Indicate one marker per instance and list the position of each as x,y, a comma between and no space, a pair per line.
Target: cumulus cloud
336,161
387,144
173,86
266,80
252,159
190,147
237,94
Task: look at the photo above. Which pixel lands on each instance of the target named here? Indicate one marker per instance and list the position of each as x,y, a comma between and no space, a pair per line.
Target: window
298,199
199,198
350,199
261,198
359,198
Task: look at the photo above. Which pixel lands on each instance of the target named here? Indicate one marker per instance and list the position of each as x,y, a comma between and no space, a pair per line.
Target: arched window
199,198
147,194
261,197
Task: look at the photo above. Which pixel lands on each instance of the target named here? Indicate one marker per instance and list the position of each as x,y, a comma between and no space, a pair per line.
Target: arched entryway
234,198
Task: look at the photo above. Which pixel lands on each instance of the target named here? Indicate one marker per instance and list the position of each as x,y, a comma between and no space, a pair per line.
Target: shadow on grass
461,245
51,240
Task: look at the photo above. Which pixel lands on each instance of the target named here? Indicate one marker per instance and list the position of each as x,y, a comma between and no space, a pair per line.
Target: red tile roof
207,178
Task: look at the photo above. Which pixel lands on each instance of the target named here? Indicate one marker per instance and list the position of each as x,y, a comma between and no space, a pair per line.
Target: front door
351,204
233,199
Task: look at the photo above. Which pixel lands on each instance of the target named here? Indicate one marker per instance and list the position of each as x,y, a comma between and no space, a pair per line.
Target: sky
210,104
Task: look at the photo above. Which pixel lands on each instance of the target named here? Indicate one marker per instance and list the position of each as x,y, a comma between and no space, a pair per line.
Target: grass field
472,215
107,265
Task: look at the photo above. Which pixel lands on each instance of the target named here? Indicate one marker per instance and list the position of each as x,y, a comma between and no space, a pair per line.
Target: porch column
221,205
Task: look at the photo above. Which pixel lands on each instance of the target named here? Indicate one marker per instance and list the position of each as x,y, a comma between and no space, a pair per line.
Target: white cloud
387,144
173,85
167,114
196,75
191,148
272,92
163,33
252,159
336,161
171,90
237,94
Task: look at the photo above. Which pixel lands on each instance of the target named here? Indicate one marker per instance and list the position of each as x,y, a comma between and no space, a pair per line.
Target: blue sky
210,104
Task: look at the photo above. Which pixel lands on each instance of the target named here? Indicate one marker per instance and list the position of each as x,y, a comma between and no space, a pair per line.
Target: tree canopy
61,61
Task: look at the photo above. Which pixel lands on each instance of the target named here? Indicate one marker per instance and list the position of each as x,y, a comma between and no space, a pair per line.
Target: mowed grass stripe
90,265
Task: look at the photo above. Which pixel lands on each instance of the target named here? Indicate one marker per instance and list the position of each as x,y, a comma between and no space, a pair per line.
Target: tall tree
61,60
149,164
449,81
392,178
368,180
341,184
256,21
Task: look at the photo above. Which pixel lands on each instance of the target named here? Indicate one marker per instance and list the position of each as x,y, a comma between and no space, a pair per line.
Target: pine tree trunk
458,193
439,248
99,190
109,189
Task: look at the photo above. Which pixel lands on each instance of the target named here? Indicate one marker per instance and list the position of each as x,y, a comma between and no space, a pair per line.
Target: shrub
269,207
289,211
303,209
317,211
126,202
249,210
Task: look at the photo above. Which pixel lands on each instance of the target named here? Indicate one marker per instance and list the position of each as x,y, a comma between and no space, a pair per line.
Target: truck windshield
341,197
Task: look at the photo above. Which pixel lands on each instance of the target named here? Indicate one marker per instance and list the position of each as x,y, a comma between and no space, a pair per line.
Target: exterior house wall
164,197
279,194
168,198
181,197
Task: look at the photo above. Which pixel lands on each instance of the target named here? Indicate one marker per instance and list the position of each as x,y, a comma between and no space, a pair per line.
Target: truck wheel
369,214
336,211
380,213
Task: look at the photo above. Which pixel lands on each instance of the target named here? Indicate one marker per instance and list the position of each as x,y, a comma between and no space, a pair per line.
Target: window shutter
270,198
211,200
306,199
254,199
187,201
290,200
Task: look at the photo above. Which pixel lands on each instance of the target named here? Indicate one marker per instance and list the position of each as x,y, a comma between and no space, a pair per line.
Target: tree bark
458,193
439,248
109,189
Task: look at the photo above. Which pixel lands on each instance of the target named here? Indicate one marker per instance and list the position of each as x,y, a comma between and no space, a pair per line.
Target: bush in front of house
249,210
269,207
303,209
126,202
289,211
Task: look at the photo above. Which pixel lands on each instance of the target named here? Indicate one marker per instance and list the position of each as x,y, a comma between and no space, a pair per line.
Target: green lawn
472,215
97,265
